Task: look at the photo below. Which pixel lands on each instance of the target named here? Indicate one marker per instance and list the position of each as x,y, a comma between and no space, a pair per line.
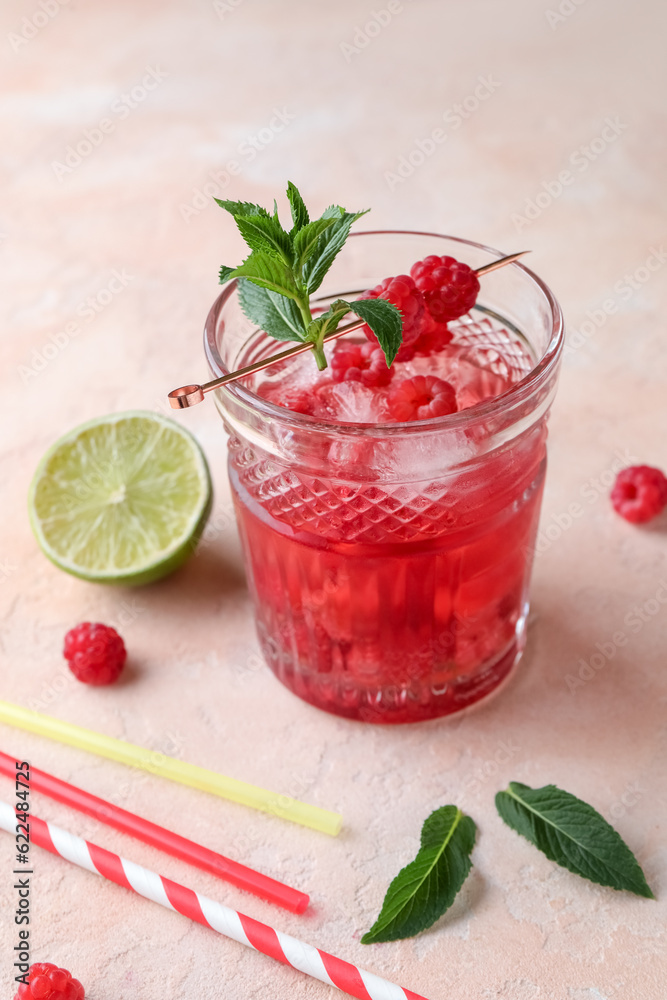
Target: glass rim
482,411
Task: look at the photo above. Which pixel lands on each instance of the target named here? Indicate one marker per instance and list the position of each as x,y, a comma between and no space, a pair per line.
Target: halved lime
121,499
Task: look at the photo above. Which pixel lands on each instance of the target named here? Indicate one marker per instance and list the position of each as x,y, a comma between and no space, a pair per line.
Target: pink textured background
522,929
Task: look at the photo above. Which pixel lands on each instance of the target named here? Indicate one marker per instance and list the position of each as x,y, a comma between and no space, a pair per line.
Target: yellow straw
168,767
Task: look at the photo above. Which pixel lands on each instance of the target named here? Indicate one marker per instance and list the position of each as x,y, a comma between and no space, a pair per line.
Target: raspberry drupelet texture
433,337
421,397
47,982
404,294
449,287
363,363
95,653
639,493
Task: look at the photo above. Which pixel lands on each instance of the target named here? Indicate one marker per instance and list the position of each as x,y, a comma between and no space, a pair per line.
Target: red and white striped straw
232,924
157,836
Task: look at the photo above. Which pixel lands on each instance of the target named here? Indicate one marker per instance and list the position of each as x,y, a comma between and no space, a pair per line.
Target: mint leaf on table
275,314
285,268
573,834
384,320
426,888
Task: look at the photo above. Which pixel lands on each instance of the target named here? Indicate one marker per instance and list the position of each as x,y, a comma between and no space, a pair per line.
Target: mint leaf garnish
268,273
328,321
285,268
307,239
385,321
266,235
329,245
426,888
573,834
275,314
237,208
300,216
224,273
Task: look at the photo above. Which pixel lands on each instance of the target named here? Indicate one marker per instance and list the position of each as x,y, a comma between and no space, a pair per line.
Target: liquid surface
482,360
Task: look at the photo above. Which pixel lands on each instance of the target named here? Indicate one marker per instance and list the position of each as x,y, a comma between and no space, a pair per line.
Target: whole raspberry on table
47,982
404,294
363,363
449,287
95,653
421,397
639,493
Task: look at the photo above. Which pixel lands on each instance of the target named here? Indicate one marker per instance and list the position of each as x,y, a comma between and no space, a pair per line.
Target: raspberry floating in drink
421,397
95,653
363,363
639,493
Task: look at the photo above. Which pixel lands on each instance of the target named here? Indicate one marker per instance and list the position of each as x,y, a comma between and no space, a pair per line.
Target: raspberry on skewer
404,294
449,287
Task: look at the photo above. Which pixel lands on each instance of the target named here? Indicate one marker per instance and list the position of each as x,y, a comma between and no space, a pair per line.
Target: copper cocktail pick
188,395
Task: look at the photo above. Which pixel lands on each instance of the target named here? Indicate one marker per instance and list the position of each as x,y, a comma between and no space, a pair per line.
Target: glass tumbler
389,564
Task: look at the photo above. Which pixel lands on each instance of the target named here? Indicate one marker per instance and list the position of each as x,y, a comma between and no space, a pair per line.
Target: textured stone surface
521,929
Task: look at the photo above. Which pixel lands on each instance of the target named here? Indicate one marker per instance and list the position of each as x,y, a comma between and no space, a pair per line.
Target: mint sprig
284,269
427,887
573,834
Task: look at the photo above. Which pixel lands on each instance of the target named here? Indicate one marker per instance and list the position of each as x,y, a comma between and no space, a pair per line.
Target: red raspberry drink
388,519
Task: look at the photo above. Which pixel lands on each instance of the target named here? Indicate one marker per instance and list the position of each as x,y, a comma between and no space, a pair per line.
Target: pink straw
157,836
318,964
